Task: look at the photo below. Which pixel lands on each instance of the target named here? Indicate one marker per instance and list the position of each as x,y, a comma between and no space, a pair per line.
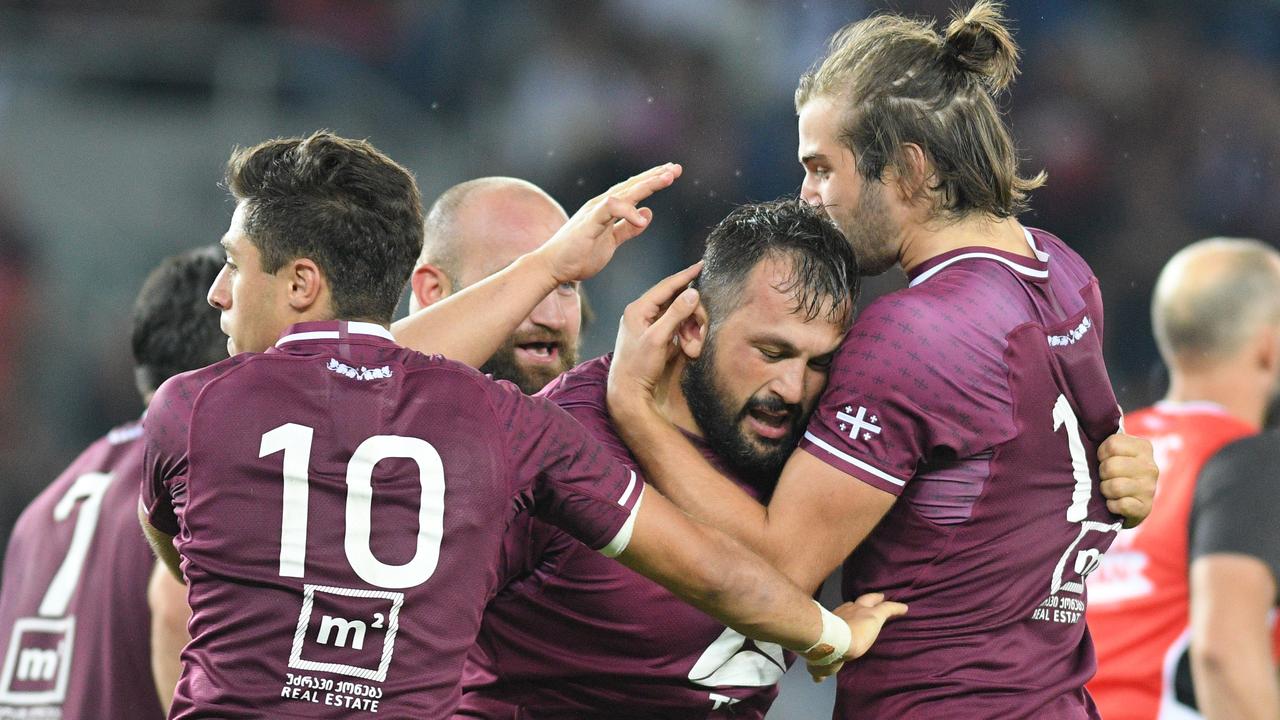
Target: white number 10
295,441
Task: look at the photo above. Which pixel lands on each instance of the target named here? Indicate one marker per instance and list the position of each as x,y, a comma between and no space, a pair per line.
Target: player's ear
307,284
1268,350
910,174
692,332
430,285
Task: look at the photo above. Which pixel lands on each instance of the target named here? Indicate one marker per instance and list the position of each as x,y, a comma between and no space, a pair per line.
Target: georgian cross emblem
858,424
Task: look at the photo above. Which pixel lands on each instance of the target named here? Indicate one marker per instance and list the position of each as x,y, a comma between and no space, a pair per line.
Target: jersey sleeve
164,465
903,386
567,476
1237,500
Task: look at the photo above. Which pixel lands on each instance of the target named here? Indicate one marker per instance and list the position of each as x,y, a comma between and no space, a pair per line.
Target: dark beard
721,424
503,366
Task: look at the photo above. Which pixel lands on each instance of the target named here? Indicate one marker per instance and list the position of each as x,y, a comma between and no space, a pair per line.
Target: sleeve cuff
850,465
620,541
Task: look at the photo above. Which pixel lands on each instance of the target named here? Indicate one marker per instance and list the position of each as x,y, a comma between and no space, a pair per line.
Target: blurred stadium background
1158,122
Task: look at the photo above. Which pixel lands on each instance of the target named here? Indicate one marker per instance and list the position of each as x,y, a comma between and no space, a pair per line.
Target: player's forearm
169,616
719,576
470,325
1237,682
673,465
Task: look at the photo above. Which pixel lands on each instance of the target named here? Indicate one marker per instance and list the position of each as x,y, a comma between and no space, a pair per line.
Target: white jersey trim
853,460
1023,269
620,541
353,328
630,486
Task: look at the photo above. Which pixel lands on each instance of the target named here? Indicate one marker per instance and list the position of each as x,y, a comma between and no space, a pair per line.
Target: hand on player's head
866,616
587,242
645,336
1127,468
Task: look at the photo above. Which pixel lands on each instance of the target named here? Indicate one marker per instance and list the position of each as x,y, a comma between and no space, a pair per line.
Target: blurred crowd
1158,123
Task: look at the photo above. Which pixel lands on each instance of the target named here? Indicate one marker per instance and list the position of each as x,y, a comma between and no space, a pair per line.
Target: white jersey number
729,663
295,441
89,488
1086,561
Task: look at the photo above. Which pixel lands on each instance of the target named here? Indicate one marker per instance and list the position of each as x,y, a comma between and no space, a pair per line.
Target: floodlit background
1158,122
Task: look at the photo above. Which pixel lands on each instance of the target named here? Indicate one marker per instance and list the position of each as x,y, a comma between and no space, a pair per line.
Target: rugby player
263,465
1216,316
74,625
954,458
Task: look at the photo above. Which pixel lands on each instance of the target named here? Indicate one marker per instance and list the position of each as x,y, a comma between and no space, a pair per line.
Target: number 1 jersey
978,396
339,504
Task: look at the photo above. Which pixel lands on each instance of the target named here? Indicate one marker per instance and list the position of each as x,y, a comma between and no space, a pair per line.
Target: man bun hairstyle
896,81
979,43
341,203
175,329
823,279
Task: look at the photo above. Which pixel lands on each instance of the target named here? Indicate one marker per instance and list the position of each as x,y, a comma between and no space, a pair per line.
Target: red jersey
1138,599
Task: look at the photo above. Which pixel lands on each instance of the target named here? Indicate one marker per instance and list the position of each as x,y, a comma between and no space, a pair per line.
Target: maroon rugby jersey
75,631
340,503
979,397
576,635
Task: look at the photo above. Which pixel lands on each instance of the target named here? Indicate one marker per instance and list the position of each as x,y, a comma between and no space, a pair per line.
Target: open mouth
544,353
768,424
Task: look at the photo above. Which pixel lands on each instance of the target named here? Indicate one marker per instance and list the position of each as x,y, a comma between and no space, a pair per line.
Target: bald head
478,227
1212,298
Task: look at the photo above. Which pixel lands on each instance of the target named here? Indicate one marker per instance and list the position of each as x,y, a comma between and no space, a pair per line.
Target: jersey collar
333,330
1036,268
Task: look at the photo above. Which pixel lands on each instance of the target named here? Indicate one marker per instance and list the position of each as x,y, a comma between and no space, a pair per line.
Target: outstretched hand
586,243
1128,471
865,616
646,337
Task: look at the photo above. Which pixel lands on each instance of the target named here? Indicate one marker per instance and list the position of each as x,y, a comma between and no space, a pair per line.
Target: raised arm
579,250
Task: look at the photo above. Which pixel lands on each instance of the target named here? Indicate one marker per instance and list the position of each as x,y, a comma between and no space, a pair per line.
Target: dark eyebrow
804,160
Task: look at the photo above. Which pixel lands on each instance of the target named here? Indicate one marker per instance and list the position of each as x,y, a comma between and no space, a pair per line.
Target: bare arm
1231,661
162,544
710,571
169,615
579,250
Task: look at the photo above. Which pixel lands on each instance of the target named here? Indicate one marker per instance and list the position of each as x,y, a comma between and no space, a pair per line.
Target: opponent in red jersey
73,610
957,444
1216,315
264,464
777,284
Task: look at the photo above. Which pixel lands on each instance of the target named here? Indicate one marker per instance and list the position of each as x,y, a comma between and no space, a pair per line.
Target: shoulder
584,384
1245,463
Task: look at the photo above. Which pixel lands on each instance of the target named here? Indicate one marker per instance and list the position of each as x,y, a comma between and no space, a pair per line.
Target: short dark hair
174,327
898,82
824,275
339,202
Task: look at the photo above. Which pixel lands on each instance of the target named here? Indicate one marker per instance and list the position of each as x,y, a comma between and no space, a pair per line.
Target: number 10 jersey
339,504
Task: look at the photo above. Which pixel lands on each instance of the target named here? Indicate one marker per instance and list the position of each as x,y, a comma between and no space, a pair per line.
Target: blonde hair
900,82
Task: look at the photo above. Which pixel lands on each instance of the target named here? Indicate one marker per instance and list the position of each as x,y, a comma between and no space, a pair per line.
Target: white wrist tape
834,642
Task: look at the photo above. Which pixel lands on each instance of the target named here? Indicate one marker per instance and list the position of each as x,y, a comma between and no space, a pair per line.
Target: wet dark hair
339,202
174,327
824,274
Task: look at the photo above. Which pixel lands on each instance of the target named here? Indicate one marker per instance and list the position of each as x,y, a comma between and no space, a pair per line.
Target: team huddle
449,516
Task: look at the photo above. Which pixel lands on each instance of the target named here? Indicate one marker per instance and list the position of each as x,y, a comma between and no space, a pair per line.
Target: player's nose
549,313
809,190
219,296
788,384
